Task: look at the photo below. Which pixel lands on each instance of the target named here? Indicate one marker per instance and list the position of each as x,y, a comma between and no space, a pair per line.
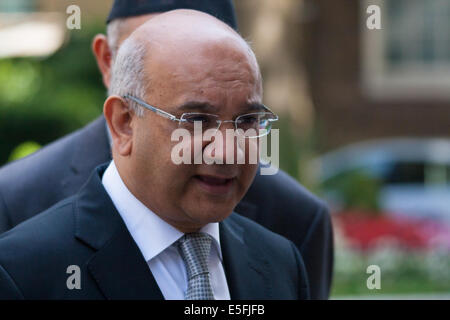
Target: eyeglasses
250,125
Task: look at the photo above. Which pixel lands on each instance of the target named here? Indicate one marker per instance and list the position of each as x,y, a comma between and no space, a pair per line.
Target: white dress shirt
155,239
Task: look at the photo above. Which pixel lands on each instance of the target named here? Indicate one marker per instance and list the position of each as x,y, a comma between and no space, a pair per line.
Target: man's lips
214,180
215,184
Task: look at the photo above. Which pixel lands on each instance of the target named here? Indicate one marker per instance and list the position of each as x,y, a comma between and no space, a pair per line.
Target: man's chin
207,207
205,214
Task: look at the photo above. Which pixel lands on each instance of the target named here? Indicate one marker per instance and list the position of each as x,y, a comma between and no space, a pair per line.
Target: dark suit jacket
87,231
277,202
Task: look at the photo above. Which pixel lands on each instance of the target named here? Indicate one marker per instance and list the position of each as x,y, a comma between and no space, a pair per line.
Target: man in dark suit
144,226
278,202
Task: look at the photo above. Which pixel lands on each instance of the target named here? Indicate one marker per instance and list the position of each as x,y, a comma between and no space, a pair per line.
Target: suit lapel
117,266
91,149
246,271
247,209
121,271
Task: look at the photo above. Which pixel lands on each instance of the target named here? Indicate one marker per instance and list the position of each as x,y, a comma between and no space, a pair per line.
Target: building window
410,55
17,5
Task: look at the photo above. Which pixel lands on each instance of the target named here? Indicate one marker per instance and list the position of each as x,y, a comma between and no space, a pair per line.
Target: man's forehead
202,76
184,32
188,49
204,83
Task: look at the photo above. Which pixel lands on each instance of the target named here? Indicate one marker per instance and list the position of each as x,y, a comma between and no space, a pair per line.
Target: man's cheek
248,174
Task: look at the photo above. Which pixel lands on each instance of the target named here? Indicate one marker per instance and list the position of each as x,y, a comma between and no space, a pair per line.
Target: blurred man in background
278,202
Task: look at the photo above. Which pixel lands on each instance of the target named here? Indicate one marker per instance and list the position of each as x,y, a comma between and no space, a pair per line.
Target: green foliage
402,271
42,99
24,149
296,152
355,189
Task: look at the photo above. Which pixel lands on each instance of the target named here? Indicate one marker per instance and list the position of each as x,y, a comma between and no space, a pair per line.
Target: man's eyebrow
255,106
197,106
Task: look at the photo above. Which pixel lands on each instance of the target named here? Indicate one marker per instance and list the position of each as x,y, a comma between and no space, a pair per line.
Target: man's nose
227,150
226,124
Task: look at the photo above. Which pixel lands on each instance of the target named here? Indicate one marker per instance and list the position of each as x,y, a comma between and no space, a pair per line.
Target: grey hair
128,75
114,31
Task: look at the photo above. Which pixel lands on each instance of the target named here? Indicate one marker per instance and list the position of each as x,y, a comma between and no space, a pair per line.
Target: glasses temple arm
152,108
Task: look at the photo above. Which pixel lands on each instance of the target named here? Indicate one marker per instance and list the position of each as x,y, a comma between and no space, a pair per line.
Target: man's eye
198,117
248,120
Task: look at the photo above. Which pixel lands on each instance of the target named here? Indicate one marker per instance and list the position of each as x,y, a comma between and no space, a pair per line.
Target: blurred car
407,177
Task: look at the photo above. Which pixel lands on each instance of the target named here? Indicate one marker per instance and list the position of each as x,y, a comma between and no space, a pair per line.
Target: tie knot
194,249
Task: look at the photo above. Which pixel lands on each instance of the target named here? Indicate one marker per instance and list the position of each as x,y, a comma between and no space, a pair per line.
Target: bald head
184,42
185,25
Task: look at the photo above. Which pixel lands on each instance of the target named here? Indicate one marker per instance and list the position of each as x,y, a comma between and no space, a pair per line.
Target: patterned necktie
194,248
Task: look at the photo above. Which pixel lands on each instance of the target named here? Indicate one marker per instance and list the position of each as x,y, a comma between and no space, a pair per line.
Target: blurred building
369,84
91,9
38,27
274,30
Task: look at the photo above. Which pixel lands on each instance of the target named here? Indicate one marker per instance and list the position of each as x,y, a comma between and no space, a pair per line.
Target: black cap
221,9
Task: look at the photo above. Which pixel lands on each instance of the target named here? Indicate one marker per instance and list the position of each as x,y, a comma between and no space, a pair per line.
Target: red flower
365,231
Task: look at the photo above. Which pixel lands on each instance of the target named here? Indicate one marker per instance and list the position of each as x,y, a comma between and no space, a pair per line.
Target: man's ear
119,117
102,54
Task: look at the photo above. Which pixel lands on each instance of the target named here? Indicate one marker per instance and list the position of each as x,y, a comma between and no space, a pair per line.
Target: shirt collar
151,234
